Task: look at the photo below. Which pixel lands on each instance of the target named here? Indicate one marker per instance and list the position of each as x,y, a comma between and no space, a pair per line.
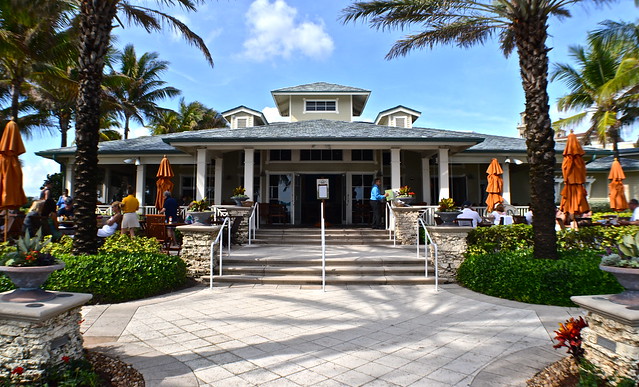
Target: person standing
170,211
130,206
377,204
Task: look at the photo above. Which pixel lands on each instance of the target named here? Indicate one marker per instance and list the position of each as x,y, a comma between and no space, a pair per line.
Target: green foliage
56,184
124,243
447,205
29,252
119,276
69,373
592,376
516,275
602,214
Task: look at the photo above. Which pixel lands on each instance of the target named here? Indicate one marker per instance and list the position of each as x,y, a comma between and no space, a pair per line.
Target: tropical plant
239,192
96,20
447,205
199,205
405,191
569,336
138,85
626,253
191,116
29,252
520,24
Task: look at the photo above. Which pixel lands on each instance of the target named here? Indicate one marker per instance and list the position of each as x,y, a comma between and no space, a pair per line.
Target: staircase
353,257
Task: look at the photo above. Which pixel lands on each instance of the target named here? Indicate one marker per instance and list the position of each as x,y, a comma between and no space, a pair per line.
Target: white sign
322,188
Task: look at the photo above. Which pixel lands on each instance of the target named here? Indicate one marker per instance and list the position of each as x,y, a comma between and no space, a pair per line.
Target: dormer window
400,122
242,122
313,105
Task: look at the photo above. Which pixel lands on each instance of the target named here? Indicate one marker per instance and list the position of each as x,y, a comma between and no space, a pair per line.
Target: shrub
600,215
516,275
114,243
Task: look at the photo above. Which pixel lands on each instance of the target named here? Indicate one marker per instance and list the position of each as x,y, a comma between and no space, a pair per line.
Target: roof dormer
243,117
399,116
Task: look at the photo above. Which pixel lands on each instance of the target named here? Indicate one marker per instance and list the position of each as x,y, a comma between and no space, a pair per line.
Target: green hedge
516,275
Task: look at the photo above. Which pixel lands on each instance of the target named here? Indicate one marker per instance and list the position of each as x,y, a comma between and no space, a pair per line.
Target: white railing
428,212
219,240
253,222
390,223
105,209
323,228
428,241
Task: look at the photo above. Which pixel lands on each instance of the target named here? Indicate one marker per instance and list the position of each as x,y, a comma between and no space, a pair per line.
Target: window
321,155
280,155
400,122
362,155
242,122
321,106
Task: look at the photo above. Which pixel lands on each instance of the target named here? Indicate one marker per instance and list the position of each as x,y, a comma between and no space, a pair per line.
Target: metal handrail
390,223
427,237
253,224
323,228
219,239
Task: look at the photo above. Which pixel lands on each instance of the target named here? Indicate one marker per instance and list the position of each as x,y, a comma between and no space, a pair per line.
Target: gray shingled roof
321,87
604,164
493,144
139,145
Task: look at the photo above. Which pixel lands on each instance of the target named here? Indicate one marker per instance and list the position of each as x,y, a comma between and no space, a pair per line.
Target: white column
444,175
506,178
426,180
68,178
140,180
200,174
249,171
396,177
105,186
218,180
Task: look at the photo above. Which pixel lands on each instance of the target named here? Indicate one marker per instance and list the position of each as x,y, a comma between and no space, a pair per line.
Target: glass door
361,184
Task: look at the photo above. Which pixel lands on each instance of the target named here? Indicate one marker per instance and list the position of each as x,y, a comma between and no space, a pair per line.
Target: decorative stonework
451,246
241,236
406,224
37,336
196,248
611,341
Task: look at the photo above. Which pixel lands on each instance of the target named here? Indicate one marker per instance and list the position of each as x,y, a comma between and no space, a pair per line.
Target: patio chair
519,219
438,220
464,222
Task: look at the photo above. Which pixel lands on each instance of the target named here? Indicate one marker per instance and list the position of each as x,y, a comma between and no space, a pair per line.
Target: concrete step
276,271
317,280
317,261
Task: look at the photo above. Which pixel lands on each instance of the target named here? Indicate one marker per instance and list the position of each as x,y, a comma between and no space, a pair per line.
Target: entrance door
361,184
310,205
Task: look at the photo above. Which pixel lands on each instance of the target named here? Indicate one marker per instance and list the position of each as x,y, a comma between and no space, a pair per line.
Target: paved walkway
346,336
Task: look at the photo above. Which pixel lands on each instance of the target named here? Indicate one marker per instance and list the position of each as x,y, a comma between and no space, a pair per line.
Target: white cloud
34,174
274,31
138,132
273,115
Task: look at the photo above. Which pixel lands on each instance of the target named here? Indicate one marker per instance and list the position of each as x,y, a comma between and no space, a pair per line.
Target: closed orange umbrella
164,183
616,192
495,185
11,191
574,170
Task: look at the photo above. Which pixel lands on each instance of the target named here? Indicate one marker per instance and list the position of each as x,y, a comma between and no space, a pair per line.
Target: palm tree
139,85
191,116
604,86
95,23
520,24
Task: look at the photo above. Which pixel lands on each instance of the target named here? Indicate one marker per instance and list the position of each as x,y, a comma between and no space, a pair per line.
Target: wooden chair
464,222
519,219
277,213
157,231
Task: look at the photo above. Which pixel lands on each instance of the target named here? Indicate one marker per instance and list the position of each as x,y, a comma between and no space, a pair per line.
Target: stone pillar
406,224
219,163
506,178
196,249
426,179
249,171
38,335
444,175
451,246
396,173
140,181
611,341
241,235
200,174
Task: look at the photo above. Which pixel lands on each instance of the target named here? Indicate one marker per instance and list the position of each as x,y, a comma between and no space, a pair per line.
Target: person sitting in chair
469,213
111,225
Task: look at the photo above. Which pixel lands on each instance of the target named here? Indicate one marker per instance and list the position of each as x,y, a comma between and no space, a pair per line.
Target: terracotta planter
629,279
448,217
28,280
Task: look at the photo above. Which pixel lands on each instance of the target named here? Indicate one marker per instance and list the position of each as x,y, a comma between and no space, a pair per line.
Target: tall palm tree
95,23
191,116
604,87
518,24
139,85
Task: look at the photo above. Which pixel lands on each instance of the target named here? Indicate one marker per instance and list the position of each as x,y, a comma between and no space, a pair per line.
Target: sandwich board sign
322,189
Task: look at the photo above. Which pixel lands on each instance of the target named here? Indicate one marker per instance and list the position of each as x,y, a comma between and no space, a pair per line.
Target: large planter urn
405,199
202,217
448,217
628,278
28,280
239,200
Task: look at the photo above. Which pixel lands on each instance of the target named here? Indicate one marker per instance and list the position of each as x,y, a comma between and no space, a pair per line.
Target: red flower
569,336
66,359
17,371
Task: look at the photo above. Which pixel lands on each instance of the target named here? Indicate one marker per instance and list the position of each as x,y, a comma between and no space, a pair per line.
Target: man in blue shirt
377,204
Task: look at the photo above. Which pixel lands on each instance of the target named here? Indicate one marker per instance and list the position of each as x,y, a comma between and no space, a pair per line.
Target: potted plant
447,211
239,195
405,195
199,211
624,265
28,268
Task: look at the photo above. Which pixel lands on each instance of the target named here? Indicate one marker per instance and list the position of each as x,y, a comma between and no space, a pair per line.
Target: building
280,162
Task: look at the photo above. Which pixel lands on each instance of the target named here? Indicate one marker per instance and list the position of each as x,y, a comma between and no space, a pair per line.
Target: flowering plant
405,192
198,205
447,205
29,252
239,192
569,336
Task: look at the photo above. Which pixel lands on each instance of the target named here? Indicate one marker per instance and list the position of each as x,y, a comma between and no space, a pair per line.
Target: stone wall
37,336
406,224
451,245
611,341
241,236
196,248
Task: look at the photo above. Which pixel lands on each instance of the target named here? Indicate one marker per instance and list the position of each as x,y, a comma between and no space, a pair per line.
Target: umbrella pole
6,224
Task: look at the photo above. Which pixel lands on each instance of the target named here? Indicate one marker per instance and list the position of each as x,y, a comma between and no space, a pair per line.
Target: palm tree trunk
126,126
64,121
96,19
15,98
530,36
615,139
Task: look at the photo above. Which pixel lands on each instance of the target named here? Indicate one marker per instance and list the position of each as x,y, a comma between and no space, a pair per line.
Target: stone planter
28,280
448,217
406,199
629,279
203,217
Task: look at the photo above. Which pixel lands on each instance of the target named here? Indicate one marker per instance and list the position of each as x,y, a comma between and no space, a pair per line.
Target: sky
263,45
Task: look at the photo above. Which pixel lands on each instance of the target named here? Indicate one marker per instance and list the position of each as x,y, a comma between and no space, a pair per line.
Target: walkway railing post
323,247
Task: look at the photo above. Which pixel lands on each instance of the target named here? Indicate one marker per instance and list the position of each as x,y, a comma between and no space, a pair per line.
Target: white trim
336,100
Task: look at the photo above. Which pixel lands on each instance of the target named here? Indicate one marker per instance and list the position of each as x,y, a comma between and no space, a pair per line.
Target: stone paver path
346,336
